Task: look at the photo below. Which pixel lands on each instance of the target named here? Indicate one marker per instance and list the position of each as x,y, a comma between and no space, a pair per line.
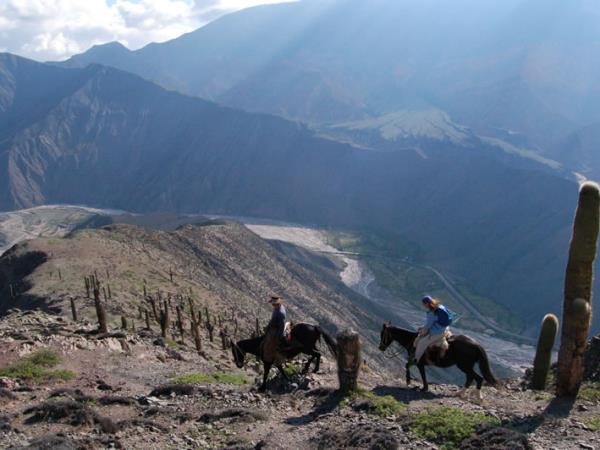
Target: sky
56,29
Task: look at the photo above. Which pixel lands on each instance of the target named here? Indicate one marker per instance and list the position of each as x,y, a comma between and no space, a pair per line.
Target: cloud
57,29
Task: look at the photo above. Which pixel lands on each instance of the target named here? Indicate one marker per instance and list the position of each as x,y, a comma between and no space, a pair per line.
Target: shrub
382,406
37,367
215,378
447,426
594,424
589,392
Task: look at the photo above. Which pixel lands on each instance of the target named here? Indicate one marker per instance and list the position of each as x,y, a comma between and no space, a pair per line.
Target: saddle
437,350
287,331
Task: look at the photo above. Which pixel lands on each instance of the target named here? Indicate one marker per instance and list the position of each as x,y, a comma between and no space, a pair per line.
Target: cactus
73,310
100,312
577,304
196,334
180,322
87,287
164,320
543,354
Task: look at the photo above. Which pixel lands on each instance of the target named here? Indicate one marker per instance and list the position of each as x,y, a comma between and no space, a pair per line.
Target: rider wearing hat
275,331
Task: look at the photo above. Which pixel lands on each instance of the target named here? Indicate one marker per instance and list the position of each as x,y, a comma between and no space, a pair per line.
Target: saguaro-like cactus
100,312
577,305
543,354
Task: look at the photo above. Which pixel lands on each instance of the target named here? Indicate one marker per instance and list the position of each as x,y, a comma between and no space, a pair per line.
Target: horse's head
238,355
386,337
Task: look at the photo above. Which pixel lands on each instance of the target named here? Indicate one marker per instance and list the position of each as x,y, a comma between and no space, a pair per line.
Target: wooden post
100,312
145,292
123,322
104,292
257,328
171,274
109,291
87,287
59,275
147,316
73,310
349,360
12,291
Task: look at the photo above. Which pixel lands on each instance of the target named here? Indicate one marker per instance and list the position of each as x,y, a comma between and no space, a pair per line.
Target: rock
8,383
54,442
361,436
7,395
172,389
234,414
496,438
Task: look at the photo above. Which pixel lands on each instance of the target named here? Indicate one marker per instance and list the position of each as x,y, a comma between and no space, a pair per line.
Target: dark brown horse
304,340
463,352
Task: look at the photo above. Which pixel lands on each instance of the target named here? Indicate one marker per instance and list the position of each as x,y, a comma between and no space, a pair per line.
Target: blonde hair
434,303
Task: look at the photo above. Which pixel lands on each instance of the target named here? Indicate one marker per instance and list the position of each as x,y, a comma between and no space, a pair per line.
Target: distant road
460,298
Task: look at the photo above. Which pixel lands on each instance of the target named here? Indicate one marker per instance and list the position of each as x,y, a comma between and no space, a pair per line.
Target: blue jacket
277,321
432,325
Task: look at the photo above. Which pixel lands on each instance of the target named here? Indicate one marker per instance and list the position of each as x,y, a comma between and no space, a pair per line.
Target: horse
304,340
462,351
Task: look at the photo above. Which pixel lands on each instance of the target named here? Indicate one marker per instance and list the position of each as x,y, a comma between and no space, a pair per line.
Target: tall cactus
577,305
543,354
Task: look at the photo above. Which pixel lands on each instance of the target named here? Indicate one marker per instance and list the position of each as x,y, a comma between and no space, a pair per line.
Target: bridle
239,354
386,339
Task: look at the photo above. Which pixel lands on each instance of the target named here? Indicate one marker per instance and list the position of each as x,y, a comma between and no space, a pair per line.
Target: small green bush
589,392
594,423
292,369
45,358
215,378
447,426
36,367
382,406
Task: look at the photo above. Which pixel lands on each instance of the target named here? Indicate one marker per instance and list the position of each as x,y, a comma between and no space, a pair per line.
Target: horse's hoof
424,389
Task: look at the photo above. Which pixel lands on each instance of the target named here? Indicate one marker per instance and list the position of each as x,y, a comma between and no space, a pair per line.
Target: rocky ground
125,390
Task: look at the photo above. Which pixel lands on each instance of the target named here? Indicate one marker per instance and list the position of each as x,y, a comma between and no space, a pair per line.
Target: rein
392,355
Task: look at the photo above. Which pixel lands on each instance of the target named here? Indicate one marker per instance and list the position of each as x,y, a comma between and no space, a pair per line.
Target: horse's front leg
318,363
267,369
408,364
421,367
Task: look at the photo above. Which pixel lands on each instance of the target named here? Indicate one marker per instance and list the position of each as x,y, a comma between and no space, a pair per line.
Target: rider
275,331
435,331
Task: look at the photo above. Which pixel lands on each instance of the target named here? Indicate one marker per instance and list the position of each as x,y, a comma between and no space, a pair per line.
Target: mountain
520,68
579,150
108,139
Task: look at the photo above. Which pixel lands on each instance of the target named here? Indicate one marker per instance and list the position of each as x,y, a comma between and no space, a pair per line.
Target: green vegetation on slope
382,406
447,426
215,378
37,368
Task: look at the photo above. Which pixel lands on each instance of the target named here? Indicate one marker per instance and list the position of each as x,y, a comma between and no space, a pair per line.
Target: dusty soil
122,397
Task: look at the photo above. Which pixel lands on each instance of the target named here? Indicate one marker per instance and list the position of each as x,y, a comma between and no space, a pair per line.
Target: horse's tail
330,341
484,366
